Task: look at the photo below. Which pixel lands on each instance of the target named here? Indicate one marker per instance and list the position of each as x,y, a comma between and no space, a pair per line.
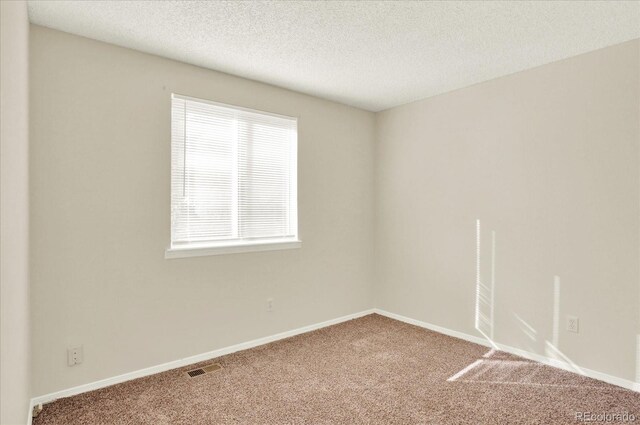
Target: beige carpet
372,370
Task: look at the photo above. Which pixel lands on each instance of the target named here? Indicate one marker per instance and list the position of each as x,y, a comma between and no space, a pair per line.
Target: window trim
233,247
239,245
228,105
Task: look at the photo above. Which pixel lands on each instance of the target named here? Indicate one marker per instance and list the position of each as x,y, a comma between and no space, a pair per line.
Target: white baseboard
621,382
47,398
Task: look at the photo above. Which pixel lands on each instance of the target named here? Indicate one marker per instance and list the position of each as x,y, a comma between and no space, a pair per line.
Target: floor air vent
207,369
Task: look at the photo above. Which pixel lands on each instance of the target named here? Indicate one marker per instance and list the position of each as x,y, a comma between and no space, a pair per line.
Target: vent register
203,370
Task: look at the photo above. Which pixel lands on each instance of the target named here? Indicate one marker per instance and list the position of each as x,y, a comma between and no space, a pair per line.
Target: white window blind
233,175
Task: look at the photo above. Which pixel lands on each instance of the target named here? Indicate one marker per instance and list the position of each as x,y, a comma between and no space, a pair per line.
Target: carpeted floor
371,370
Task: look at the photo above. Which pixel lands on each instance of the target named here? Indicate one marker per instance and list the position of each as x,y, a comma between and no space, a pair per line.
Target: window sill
232,248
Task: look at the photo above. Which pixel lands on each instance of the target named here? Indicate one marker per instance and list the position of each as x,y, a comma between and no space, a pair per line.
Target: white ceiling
373,55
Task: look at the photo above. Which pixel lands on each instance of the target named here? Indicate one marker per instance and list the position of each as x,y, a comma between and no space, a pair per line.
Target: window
233,179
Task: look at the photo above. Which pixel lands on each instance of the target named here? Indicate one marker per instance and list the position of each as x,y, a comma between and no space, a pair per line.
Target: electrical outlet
74,355
572,324
269,304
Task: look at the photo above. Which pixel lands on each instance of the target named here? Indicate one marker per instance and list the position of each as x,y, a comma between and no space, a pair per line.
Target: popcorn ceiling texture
371,370
373,55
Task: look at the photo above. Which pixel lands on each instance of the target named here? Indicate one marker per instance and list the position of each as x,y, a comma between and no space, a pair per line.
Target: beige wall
14,213
100,168
548,161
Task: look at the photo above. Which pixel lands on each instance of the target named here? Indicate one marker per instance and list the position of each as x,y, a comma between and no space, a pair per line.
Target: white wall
100,168
14,213
548,161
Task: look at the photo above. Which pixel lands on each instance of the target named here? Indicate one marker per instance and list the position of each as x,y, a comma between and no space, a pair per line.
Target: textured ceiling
374,55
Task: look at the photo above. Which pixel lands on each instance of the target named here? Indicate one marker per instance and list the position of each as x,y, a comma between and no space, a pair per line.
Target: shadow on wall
528,331
552,348
485,293
485,310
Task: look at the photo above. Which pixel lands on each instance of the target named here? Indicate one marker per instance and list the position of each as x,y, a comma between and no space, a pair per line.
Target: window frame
232,246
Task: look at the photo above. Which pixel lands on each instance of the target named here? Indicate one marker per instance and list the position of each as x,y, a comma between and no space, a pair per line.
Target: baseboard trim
621,382
47,398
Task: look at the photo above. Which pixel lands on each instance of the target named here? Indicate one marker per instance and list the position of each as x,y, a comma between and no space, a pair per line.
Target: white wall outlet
74,355
269,304
572,324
